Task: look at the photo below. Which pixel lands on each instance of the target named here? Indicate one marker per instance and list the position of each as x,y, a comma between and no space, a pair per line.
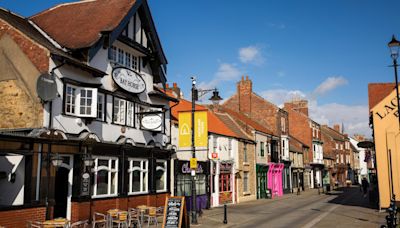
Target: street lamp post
215,99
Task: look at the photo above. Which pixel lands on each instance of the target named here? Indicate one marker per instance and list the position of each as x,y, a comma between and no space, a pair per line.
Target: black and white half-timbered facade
100,100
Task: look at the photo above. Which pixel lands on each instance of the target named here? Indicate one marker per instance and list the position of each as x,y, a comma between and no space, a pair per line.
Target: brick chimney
336,127
244,91
298,105
175,90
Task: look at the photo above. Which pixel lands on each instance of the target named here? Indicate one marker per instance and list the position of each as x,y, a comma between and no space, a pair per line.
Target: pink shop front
275,179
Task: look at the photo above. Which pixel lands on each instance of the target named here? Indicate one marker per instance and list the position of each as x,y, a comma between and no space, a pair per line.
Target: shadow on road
352,196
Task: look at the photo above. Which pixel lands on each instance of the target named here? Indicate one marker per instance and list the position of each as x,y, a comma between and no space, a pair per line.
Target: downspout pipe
51,102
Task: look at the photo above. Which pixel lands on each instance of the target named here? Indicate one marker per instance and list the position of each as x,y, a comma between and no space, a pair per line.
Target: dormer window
123,58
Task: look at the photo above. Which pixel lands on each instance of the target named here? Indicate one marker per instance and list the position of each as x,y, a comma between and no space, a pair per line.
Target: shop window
245,181
224,183
80,101
138,176
161,176
184,185
105,176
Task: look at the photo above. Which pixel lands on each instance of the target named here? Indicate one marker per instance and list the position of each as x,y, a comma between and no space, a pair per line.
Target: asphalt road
346,208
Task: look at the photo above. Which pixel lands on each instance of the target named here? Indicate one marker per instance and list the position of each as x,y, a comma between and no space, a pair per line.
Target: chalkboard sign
173,212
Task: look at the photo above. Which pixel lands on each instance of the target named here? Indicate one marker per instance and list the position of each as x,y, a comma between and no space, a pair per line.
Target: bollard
225,214
298,191
318,190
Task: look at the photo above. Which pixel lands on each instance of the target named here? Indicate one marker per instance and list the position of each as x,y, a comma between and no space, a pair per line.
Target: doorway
61,193
63,188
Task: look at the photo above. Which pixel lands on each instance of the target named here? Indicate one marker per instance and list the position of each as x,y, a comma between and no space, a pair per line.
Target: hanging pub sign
152,121
128,80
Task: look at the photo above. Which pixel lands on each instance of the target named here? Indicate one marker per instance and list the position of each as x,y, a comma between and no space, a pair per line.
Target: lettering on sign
85,190
152,121
186,168
128,80
388,109
173,212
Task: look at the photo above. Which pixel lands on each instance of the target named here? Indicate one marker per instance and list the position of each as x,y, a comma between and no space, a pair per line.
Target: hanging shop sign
152,122
128,80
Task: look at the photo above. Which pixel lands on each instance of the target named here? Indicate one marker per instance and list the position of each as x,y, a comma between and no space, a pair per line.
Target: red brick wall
36,53
19,218
83,210
299,127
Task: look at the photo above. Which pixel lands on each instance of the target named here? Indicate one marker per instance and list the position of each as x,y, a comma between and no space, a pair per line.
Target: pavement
345,207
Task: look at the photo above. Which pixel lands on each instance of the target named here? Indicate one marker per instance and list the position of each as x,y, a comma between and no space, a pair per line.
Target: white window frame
124,58
101,110
119,117
76,101
110,170
165,169
130,114
245,182
143,169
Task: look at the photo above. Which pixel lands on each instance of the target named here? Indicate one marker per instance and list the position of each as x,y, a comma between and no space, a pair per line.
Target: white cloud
225,72
277,25
354,117
329,84
280,96
251,54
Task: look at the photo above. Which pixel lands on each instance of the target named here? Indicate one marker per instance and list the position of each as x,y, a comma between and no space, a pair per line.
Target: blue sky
325,51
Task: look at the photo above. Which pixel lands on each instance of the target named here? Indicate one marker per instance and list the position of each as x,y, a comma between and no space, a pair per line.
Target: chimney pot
166,85
175,85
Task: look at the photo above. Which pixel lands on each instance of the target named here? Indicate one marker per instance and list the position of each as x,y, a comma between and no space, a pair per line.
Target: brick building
106,65
255,107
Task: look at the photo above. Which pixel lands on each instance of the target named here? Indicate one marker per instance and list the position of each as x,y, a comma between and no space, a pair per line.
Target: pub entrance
63,188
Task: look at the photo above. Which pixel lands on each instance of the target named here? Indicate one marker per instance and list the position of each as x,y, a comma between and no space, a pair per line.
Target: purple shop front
183,183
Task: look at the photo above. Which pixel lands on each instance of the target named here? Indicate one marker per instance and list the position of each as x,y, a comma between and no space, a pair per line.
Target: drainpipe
51,102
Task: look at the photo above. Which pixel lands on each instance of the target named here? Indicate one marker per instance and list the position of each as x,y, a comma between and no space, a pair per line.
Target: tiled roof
24,25
378,91
79,24
215,125
230,123
248,121
332,133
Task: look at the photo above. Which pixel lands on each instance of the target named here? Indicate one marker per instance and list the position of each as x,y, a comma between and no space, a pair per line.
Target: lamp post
215,99
394,46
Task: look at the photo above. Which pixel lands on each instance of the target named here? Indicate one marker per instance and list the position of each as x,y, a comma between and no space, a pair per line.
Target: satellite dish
46,87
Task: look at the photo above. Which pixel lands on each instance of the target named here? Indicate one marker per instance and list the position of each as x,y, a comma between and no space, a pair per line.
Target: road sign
193,163
214,155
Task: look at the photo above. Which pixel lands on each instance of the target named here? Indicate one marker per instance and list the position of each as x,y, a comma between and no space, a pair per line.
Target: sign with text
174,212
152,121
193,163
128,80
185,129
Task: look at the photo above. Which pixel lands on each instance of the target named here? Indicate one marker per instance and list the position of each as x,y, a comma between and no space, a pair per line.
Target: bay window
80,101
105,176
161,175
123,58
138,176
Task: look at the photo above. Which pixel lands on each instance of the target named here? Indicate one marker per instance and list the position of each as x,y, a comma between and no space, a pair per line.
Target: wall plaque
128,80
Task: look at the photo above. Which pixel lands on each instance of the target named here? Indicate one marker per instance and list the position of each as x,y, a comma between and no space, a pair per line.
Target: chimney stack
336,127
175,90
244,91
298,105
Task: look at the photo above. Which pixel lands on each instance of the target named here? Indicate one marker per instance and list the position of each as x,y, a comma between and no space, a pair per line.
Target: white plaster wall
362,164
12,193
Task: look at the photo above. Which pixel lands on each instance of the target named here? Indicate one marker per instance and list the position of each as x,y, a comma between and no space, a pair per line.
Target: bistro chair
99,219
80,224
35,224
134,217
160,211
152,216
121,219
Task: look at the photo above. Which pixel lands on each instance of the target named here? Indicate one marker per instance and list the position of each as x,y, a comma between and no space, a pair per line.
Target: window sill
137,193
162,191
246,193
246,163
104,196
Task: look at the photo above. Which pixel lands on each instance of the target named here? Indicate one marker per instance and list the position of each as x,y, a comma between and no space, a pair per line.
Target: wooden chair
80,224
35,224
99,219
152,216
134,217
160,212
121,220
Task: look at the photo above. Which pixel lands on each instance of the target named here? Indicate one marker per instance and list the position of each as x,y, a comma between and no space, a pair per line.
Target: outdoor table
142,209
112,213
57,222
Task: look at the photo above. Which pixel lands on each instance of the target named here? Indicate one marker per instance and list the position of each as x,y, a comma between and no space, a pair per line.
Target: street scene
176,114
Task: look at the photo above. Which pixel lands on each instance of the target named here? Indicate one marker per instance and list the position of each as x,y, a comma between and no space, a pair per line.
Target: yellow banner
185,129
